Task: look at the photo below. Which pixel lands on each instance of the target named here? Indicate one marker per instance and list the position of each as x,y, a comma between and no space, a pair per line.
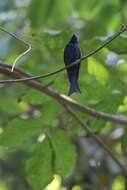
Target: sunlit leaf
98,70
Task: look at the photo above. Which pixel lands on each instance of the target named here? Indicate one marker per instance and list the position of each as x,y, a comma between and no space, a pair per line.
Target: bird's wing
71,53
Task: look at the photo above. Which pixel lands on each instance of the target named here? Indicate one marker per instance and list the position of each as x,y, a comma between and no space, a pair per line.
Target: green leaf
50,112
18,130
11,103
98,23
124,141
38,168
97,125
38,12
63,9
109,105
64,152
41,12
119,45
35,97
98,70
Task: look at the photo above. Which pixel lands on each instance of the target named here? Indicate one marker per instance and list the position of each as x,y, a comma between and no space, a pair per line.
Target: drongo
72,53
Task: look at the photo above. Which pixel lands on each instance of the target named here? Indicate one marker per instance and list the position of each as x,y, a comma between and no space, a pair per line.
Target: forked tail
74,88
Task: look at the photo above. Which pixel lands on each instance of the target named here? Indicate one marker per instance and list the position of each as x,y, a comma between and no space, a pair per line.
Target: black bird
72,52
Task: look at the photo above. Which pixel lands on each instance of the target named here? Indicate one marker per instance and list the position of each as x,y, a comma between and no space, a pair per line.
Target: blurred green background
48,25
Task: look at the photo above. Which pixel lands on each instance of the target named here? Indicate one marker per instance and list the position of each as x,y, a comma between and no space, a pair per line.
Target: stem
122,29
97,139
22,54
61,98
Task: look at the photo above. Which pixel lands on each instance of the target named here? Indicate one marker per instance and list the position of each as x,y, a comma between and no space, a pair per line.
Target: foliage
35,125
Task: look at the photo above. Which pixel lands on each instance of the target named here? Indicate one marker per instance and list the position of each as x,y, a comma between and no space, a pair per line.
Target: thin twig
14,36
61,98
22,54
122,29
97,139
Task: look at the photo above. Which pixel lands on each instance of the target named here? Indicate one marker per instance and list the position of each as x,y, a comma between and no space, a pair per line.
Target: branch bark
122,29
97,139
61,98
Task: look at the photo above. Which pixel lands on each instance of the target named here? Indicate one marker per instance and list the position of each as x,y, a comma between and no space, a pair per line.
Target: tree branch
22,41
61,98
97,139
122,29
14,36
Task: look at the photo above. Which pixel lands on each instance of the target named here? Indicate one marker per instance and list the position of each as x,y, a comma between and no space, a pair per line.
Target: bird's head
74,39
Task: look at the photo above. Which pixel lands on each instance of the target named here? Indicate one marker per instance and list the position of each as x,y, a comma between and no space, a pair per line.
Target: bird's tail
74,88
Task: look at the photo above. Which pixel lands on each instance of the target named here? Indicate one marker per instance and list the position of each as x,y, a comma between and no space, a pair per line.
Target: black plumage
72,52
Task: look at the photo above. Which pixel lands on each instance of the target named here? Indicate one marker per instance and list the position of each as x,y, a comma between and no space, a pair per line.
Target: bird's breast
71,53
